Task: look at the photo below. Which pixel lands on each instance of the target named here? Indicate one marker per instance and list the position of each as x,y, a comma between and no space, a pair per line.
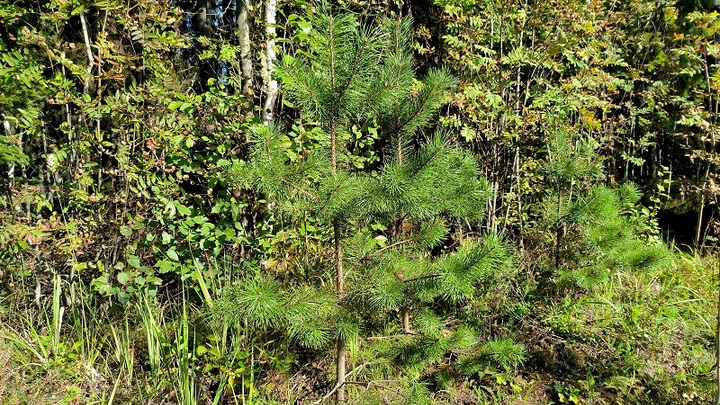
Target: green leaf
123,278
154,280
172,254
134,261
165,266
181,209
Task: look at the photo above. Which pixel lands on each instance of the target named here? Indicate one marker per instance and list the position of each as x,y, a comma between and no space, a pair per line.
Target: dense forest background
458,201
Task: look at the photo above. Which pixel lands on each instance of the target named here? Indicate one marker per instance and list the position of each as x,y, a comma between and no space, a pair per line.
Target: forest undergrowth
369,202
643,338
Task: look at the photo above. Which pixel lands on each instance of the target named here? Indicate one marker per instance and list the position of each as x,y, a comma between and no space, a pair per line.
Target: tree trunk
340,393
10,132
698,226
717,342
558,230
339,276
519,197
88,48
340,289
244,41
405,311
269,61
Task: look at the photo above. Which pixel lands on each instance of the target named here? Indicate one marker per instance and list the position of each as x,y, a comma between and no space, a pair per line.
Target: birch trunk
9,132
244,41
88,48
271,86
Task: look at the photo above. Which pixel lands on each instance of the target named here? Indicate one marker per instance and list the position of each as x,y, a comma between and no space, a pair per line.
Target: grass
138,354
647,336
644,337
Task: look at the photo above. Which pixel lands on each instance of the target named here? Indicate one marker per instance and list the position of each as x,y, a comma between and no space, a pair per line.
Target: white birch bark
9,132
244,40
88,48
270,84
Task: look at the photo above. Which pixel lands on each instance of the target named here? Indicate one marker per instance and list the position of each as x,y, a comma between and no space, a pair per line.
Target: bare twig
338,386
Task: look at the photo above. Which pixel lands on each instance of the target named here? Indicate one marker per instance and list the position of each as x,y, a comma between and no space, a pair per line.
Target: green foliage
157,244
390,218
340,78
259,303
501,353
10,152
593,234
649,322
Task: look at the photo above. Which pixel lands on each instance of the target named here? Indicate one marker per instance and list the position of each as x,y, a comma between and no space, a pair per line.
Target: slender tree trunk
698,226
405,310
406,327
333,148
244,41
717,342
98,129
55,177
340,289
10,132
558,230
84,158
519,198
88,48
709,159
339,277
701,210
269,61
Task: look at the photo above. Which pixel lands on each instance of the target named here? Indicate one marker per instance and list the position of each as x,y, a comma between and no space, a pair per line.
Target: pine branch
298,88
587,203
425,277
371,96
354,70
302,190
427,161
399,243
421,108
329,198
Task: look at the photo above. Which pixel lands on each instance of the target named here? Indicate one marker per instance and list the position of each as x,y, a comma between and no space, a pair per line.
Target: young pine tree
587,223
386,226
